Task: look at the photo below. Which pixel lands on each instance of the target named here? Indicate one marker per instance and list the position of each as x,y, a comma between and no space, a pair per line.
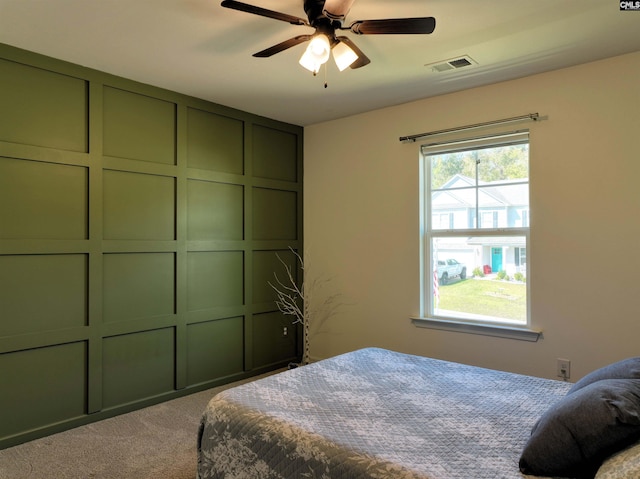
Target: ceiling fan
327,17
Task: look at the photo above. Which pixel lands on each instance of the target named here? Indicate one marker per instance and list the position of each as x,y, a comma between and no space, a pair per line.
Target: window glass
476,230
468,282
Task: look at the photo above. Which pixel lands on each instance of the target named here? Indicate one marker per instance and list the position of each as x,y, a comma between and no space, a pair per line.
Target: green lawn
501,299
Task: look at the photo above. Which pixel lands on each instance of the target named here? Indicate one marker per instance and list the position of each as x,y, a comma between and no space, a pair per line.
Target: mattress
374,413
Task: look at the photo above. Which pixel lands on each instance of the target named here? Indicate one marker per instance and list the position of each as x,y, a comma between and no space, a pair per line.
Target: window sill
499,331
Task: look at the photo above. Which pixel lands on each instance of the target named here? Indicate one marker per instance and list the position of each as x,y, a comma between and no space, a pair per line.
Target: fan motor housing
313,9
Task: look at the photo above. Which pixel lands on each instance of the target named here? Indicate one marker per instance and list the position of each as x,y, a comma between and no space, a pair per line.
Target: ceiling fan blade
393,26
245,7
292,42
362,60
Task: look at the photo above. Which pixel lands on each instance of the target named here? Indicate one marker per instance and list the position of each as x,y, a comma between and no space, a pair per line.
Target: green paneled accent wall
274,154
268,330
138,285
215,349
139,206
137,365
138,230
139,127
275,214
215,211
42,107
33,297
215,142
41,386
43,200
215,278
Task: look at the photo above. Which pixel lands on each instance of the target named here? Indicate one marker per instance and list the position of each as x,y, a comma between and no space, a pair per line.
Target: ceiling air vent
453,64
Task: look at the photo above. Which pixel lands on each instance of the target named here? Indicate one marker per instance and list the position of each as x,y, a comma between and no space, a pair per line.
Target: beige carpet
157,442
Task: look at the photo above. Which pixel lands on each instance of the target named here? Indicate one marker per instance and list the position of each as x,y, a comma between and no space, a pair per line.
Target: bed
375,413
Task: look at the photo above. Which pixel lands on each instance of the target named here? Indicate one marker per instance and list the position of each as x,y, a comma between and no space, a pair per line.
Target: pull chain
326,83
325,75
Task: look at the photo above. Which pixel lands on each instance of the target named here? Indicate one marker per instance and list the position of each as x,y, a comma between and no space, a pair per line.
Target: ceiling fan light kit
327,16
316,54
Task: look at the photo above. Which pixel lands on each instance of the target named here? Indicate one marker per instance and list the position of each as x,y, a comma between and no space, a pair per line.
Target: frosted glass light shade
316,54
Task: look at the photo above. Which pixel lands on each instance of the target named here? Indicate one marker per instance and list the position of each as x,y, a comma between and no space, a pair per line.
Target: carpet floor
157,442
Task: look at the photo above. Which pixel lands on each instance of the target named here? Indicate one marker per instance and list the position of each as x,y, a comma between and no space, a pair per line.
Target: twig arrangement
293,299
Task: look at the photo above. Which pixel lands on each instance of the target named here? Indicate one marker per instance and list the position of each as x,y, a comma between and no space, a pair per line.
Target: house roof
459,192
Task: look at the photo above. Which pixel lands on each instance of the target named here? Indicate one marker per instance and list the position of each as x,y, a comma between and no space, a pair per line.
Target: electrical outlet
285,332
564,368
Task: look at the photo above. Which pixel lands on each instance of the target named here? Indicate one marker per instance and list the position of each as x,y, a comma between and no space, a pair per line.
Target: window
443,220
489,219
475,230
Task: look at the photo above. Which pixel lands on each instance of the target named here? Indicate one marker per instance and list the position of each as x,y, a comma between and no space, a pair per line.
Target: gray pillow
582,429
625,369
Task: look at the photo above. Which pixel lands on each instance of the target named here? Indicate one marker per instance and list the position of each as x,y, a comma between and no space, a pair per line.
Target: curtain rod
530,116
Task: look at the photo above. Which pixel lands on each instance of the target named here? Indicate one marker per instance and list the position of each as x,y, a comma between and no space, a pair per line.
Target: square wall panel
270,343
215,349
43,200
43,108
275,154
137,366
139,206
274,214
42,292
266,264
47,385
214,279
138,285
214,142
215,211
139,127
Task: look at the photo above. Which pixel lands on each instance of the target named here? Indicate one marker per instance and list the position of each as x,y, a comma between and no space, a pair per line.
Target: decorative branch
290,294
294,299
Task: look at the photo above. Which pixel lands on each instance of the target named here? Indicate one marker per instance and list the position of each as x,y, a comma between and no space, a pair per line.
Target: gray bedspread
374,413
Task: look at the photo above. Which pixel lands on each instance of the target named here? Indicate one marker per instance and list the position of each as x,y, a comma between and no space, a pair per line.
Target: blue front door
496,259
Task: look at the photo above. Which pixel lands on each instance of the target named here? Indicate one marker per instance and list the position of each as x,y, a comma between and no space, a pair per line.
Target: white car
449,268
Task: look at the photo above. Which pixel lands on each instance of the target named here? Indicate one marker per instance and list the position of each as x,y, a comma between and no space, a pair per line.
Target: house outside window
474,265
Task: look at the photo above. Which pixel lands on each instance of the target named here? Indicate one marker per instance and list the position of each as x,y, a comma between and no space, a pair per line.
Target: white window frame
494,218
427,318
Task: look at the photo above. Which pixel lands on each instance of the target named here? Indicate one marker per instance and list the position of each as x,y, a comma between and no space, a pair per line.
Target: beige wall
361,221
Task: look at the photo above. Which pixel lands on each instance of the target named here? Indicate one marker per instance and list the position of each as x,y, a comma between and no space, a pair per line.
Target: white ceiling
201,49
